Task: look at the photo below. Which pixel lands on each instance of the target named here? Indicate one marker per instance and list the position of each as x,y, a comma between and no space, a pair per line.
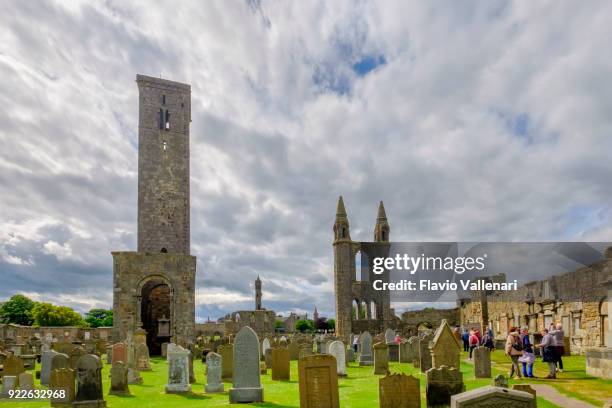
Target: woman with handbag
514,349
548,353
528,356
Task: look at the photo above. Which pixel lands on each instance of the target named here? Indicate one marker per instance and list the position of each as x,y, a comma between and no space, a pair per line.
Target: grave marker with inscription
399,391
247,382
318,382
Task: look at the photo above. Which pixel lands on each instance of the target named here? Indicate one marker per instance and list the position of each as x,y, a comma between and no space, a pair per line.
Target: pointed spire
340,211
258,278
382,215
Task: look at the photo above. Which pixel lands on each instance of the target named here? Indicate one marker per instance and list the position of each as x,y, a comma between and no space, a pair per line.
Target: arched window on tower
167,121
355,310
605,336
358,266
373,314
161,119
363,310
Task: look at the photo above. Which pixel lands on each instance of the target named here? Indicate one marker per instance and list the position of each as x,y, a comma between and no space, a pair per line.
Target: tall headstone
132,365
425,362
404,352
214,382
442,383
389,336
247,382
337,350
89,382
350,356
294,350
45,366
178,370
414,351
482,362
227,361
265,345
142,357
445,350
59,360
365,348
119,353
61,382
399,391
119,379
281,364
318,382
381,359
268,358
493,397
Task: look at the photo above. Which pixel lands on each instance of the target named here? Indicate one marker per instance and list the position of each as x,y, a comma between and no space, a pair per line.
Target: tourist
398,339
548,353
355,343
557,335
528,356
488,341
474,341
514,349
465,337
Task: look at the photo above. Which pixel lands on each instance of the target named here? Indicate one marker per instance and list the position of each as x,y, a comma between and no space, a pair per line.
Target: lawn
358,390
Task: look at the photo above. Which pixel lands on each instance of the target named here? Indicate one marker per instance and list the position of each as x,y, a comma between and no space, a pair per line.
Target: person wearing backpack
474,341
514,349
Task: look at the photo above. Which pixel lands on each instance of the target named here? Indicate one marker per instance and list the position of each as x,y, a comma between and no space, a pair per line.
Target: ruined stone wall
573,299
261,321
132,270
20,334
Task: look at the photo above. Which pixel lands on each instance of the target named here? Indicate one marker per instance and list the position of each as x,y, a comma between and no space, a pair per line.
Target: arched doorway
155,313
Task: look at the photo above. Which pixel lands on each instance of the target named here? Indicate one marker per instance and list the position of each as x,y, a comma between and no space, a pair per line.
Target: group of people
473,338
520,350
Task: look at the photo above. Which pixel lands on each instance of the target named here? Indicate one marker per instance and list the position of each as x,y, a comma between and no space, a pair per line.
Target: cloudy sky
471,123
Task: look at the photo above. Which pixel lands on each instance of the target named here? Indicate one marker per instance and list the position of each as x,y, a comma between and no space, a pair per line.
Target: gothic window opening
167,125
161,119
163,99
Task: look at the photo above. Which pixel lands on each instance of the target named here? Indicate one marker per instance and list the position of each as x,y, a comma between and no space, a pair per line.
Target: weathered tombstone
109,354
192,378
119,353
305,351
26,381
89,382
9,382
227,361
365,347
493,397
318,382
142,357
445,350
262,368
214,382
404,352
280,364
525,388
294,350
338,351
268,358
13,366
246,386
29,361
350,355
326,347
164,349
425,362
389,336
178,370
482,362
413,349
399,391
45,366
381,359
75,354
442,383
500,381
60,360
61,381
265,345
119,379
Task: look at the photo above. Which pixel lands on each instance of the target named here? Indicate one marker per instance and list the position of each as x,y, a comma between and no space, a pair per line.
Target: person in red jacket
474,341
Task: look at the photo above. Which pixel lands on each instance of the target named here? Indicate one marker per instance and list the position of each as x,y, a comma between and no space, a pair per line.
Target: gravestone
381,359
482,362
26,381
9,382
13,366
178,370
294,350
425,362
305,351
318,382
350,356
109,354
365,347
389,336
119,379
262,368
29,361
493,397
399,391
326,347
442,383
119,353
280,364
247,382
338,351
214,382
500,381
265,345
75,354
59,360
45,366
227,361
61,381
268,358
404,352
164,349
525,388
89,382
445,351
142,357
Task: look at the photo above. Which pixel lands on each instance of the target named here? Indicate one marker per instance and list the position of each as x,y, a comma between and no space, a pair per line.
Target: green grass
358,390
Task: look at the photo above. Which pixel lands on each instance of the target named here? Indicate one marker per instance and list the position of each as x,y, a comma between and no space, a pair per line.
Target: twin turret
341,226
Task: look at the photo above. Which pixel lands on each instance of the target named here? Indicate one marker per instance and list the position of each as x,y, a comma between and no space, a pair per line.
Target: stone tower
258,294
154,288
358,306
315,316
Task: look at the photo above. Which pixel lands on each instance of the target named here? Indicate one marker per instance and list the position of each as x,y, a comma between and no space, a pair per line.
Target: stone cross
247,382
399,391
214,382
318,381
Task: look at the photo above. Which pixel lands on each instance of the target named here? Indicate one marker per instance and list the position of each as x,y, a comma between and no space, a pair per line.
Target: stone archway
156,312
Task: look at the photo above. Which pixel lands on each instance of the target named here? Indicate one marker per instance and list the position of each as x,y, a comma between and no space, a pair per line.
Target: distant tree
304,325
99,318
278,324
331,324
17,310
46,314
321,324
